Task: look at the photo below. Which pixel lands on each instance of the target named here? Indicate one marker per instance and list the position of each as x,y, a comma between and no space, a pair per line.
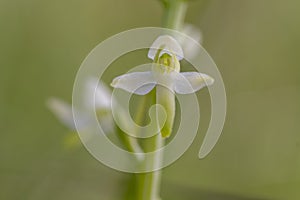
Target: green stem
174,14
148,184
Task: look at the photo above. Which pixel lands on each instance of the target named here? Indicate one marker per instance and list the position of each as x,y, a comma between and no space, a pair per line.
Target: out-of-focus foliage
255,45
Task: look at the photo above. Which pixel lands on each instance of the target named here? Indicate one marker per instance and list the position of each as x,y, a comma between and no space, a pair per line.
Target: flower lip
168,45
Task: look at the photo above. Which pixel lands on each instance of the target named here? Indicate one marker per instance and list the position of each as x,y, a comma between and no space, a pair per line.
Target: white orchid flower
165,76
63,110
102,94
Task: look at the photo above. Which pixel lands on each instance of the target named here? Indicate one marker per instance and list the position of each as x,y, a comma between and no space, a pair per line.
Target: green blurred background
256,45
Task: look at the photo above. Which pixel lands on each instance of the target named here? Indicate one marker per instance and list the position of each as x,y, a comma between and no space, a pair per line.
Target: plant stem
148,184
174,14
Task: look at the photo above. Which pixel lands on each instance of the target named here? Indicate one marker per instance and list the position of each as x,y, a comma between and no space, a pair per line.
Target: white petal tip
209,81
62,110
56,105
114,82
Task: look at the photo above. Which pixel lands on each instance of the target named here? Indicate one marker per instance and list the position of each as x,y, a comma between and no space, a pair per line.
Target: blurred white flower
189,46
102,95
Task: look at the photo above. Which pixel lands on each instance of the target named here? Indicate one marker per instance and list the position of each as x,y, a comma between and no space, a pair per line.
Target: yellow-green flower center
168,63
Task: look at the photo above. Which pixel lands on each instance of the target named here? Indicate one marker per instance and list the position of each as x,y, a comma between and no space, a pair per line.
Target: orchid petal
139,83
100,92
168,45
190,82
63,111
